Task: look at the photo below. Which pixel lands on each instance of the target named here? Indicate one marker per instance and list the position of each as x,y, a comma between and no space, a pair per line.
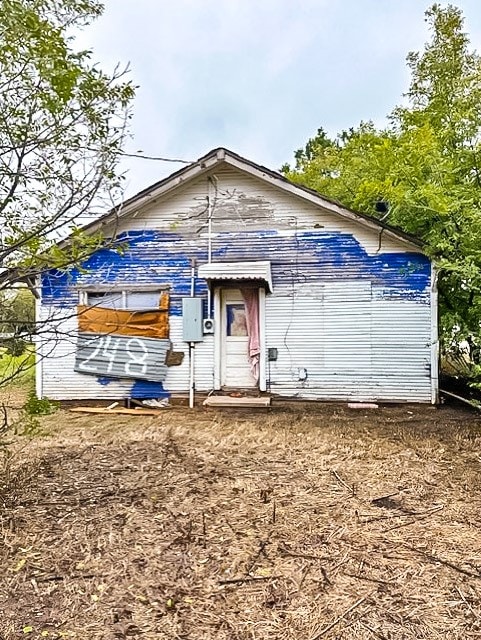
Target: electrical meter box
192,325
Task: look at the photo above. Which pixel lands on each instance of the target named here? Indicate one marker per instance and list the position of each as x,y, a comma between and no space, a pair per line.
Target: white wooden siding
359,349
243,203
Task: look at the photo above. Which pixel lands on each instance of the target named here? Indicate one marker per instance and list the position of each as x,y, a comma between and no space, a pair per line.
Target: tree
17,321
62,127
425,165
17,313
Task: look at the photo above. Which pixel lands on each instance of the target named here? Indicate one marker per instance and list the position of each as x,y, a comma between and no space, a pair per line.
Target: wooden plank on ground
362,405
122,411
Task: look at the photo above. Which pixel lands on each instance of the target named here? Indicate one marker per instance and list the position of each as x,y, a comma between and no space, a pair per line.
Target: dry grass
256,526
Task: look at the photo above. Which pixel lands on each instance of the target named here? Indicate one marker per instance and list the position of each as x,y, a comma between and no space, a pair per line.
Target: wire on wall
294,273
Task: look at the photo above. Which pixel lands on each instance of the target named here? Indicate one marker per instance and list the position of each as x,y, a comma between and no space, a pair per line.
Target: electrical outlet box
192,328
208,326
272,354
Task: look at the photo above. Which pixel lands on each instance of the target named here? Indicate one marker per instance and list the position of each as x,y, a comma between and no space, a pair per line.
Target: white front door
235,365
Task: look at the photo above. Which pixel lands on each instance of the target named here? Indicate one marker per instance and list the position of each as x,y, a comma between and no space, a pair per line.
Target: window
120,311
236,320
124,333
131,300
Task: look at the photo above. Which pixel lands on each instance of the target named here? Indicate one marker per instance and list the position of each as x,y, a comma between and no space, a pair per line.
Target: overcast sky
257,76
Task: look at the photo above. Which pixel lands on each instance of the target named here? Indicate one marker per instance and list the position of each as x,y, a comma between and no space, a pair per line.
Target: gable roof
221,156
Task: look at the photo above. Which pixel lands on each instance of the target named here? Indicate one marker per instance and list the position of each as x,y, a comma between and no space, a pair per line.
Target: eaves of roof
222,155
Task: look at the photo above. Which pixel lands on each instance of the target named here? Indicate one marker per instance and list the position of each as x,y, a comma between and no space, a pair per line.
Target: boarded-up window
105,299
122,356
149,324
124,334
125,313
139,300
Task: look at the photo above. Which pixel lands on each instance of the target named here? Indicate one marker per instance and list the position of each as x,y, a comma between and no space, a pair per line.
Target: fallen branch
340,618
472,403
342,482
305,556
407,524
376,633
204,531
59,578
261,550
368,578
127,412
446,563
248,579
4,427
467,603
385,501
405,514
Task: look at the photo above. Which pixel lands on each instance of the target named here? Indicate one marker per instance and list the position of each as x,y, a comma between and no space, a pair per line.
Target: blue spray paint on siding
144,258
145,389
140,388
156,257
312,256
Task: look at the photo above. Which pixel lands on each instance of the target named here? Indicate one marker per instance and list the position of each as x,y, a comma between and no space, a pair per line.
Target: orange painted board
148,324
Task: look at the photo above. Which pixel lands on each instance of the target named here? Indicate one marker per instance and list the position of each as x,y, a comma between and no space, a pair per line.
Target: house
228,275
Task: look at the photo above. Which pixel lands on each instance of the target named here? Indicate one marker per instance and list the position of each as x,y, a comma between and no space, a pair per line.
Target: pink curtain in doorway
251,301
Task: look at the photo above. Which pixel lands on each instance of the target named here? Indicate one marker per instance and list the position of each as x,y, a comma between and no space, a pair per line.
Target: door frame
218,327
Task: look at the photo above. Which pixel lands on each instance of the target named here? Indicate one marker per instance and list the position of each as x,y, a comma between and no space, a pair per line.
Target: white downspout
192,345
217,339
209,245
262,339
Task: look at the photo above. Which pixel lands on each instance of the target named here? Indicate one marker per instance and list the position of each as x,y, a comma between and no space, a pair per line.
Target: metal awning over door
260,271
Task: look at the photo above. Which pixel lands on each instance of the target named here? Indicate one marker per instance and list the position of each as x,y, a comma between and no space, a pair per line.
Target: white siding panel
353,348
347,327
294,325
177,380
303,329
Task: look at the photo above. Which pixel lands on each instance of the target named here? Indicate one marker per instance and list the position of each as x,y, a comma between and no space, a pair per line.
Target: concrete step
229,401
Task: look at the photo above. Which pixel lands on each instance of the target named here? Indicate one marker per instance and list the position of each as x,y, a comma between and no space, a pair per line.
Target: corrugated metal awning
237,271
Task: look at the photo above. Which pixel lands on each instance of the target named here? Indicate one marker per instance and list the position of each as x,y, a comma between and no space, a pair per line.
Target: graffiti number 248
107,350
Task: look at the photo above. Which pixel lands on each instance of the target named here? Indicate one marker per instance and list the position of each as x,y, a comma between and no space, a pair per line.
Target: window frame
124,290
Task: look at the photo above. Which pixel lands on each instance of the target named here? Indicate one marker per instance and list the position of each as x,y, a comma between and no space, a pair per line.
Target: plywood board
129,412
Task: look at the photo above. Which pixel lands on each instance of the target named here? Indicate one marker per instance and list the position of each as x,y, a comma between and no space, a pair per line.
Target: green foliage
63,122
39,406
17,313
18,369
426,164
28,423
15,347
62,126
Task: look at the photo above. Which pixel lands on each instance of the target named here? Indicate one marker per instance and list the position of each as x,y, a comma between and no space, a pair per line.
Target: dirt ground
299,523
